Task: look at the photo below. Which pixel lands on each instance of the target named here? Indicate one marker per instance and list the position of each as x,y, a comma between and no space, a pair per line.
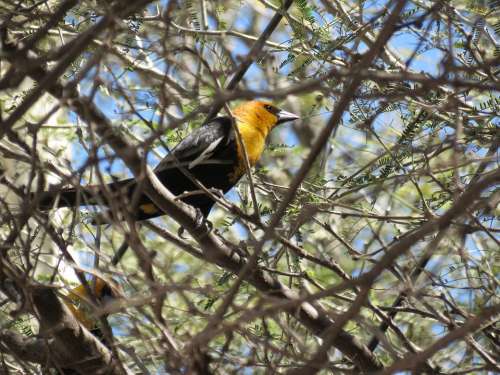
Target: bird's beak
284,116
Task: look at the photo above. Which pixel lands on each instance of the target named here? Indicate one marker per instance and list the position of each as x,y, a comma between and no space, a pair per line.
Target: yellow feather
75,301
254,124
148,208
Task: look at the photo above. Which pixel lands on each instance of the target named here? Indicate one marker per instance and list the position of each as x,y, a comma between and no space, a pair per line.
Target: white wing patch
206,154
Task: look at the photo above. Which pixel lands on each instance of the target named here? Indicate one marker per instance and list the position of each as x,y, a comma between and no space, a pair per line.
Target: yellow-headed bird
79,302
211,155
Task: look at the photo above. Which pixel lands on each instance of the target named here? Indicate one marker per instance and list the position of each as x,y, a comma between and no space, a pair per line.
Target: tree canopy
364,241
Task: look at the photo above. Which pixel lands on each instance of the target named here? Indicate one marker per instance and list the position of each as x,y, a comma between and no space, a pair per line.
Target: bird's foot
200,222
180,233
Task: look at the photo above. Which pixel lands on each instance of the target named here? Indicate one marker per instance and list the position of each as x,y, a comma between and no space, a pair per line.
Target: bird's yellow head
101,289
262,115
255,120
78,298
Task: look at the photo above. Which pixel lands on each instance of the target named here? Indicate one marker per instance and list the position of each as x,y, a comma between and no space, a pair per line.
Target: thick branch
30,349
62,342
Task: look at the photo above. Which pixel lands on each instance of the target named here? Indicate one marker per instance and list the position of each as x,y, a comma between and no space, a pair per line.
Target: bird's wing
200,146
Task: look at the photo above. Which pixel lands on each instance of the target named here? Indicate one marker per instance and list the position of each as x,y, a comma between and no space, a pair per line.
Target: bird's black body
207,155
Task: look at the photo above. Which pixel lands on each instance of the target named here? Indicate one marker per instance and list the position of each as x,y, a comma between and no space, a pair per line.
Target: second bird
211,155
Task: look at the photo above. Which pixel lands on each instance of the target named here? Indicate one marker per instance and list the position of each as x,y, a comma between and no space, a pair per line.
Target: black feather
176,171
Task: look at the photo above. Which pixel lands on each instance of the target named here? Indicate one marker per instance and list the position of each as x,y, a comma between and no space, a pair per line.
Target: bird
79,303
210,155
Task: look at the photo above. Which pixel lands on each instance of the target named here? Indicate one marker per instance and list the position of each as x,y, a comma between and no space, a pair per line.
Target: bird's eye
270,108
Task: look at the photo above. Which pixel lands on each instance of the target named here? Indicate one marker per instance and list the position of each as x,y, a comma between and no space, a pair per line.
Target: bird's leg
218,193
180,232
200,221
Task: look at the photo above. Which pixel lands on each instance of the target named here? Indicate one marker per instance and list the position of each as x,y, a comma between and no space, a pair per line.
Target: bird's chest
254,142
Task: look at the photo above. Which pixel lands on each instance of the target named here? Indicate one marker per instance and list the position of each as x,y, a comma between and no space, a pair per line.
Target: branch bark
70,344
62,342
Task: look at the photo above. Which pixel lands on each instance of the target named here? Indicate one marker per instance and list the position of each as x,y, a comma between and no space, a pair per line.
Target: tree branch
414,360
252,54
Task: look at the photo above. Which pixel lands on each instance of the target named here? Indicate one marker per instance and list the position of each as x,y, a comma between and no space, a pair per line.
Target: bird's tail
67,197
84,195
